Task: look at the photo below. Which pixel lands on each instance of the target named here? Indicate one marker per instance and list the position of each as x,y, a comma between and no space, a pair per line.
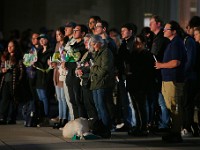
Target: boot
57,125
101,130
64,122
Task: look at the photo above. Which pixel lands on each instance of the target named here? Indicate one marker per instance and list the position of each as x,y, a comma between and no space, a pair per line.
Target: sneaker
61,128
55,119
56,125
122,128
186,133
118,126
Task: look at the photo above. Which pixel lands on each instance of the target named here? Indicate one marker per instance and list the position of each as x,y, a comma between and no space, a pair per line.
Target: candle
5,64
155,58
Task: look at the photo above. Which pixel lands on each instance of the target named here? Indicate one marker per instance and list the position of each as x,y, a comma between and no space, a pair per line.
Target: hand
49,62
53,64
79,72
158,65
86,64
4,70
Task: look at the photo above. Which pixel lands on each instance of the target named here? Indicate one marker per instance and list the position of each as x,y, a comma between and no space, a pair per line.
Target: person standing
173,76
12,73
158,46
102,78
59,76
128,32
74,54
43,75
69,27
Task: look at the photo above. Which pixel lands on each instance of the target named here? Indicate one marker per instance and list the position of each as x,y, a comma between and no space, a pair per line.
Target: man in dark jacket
159,45
72,81
128,32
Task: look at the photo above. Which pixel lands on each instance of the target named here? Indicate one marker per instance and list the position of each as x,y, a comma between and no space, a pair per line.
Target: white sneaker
55,119
118,126
185,133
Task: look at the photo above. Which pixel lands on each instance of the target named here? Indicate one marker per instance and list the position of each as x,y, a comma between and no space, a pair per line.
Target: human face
168,33
197,36
91,23
68,31
34,39
77,32
43,42
95,46
98,29
59,36
113,34
190,31
86,42
11,47
154,26
126,34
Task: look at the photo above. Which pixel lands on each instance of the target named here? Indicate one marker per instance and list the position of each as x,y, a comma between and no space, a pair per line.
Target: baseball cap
42,36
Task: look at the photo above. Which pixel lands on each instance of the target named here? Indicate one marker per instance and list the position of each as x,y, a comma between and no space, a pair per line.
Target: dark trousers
139,104
111,106
33,93
188,104
8,106
89,103
74,90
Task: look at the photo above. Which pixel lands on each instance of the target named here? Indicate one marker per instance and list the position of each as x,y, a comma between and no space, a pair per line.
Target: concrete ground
18,137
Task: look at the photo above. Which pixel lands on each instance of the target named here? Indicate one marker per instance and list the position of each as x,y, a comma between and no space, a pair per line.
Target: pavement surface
18,137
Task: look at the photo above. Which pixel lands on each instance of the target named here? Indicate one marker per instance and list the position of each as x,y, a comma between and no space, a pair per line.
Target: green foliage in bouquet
29,59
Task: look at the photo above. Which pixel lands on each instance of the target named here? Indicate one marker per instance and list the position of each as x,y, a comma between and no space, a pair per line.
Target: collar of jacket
101,50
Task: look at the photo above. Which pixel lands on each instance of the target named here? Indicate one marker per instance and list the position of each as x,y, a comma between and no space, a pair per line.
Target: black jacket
71,66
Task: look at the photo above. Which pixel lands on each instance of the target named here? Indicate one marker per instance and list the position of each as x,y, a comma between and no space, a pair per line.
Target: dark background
34,14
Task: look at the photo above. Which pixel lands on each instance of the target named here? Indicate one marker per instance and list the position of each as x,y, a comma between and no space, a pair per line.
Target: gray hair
97,39
88,35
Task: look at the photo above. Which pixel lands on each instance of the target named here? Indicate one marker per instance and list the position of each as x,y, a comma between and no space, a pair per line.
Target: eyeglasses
165,29
75,30
98,26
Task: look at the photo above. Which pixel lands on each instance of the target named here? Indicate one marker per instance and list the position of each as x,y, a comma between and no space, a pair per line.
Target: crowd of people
119,80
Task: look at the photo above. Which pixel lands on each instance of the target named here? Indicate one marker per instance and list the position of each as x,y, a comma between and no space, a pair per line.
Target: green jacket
102,72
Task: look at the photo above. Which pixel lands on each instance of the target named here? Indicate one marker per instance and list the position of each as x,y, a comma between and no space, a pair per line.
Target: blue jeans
164,116
43,97
62,105
127,106
99,96
131,118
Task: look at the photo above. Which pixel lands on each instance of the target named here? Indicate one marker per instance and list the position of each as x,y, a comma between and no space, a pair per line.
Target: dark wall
24,14
1,14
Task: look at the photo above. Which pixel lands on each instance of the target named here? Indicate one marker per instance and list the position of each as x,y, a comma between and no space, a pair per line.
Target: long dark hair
17,53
